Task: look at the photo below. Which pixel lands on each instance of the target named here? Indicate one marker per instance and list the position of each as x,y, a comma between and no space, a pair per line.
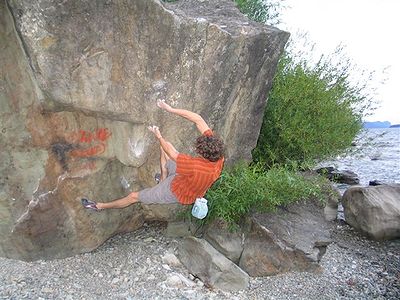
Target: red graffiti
85,136
101,134
96,141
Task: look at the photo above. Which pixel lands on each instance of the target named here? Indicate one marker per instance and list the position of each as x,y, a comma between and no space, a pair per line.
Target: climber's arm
167,146
187,114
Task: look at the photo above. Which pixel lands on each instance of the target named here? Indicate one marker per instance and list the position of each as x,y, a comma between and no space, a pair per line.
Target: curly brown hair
210,147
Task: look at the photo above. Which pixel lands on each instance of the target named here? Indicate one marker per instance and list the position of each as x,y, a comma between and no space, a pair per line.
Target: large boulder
374,210
79,82
293,238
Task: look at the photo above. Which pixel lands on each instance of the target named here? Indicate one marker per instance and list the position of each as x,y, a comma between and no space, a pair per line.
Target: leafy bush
313,112
243,188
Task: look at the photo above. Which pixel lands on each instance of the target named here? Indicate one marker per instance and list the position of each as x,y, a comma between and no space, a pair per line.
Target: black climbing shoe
157,178
89,204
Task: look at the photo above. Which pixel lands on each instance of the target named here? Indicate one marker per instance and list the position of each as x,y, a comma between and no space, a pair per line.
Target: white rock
174,281
171,259
199,283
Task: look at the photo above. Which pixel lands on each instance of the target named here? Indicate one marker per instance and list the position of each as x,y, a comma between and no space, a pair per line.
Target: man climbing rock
183,177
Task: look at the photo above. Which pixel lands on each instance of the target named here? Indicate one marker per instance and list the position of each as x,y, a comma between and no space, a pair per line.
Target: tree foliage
313,111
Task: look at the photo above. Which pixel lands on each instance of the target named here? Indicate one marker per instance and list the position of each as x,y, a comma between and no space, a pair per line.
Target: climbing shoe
157,178
89,204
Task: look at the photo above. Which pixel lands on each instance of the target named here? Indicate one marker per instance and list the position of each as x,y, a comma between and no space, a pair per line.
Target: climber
183,177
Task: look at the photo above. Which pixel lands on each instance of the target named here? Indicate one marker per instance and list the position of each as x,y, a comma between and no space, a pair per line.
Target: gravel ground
141,265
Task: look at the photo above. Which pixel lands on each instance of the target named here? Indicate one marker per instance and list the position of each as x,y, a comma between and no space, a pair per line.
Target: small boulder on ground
226,241
375,182
333,174
291,239
212,267
374,210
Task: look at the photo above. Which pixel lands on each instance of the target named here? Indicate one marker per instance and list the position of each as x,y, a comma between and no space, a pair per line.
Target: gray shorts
161,193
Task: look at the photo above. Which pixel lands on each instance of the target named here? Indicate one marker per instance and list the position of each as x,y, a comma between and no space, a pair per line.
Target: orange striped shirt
194,176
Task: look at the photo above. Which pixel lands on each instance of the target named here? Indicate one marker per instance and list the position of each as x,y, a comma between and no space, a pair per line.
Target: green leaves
313,112
243,188
260,10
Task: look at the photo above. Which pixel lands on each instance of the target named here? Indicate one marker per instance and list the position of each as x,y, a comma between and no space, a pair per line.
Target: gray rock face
213,268
292,239
78,87
225,241
116,58
374,210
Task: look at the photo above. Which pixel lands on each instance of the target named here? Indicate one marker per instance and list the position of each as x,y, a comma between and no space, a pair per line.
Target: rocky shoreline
142,265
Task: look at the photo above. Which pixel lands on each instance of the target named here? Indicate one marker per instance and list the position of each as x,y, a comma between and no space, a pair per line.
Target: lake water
376,156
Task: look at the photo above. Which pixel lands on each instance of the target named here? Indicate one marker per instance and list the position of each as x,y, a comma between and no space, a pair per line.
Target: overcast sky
369,29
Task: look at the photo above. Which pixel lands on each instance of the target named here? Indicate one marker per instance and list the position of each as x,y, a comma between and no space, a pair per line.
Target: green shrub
313,112
243,189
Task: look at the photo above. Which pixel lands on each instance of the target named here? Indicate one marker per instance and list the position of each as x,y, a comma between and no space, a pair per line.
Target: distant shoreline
380,124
